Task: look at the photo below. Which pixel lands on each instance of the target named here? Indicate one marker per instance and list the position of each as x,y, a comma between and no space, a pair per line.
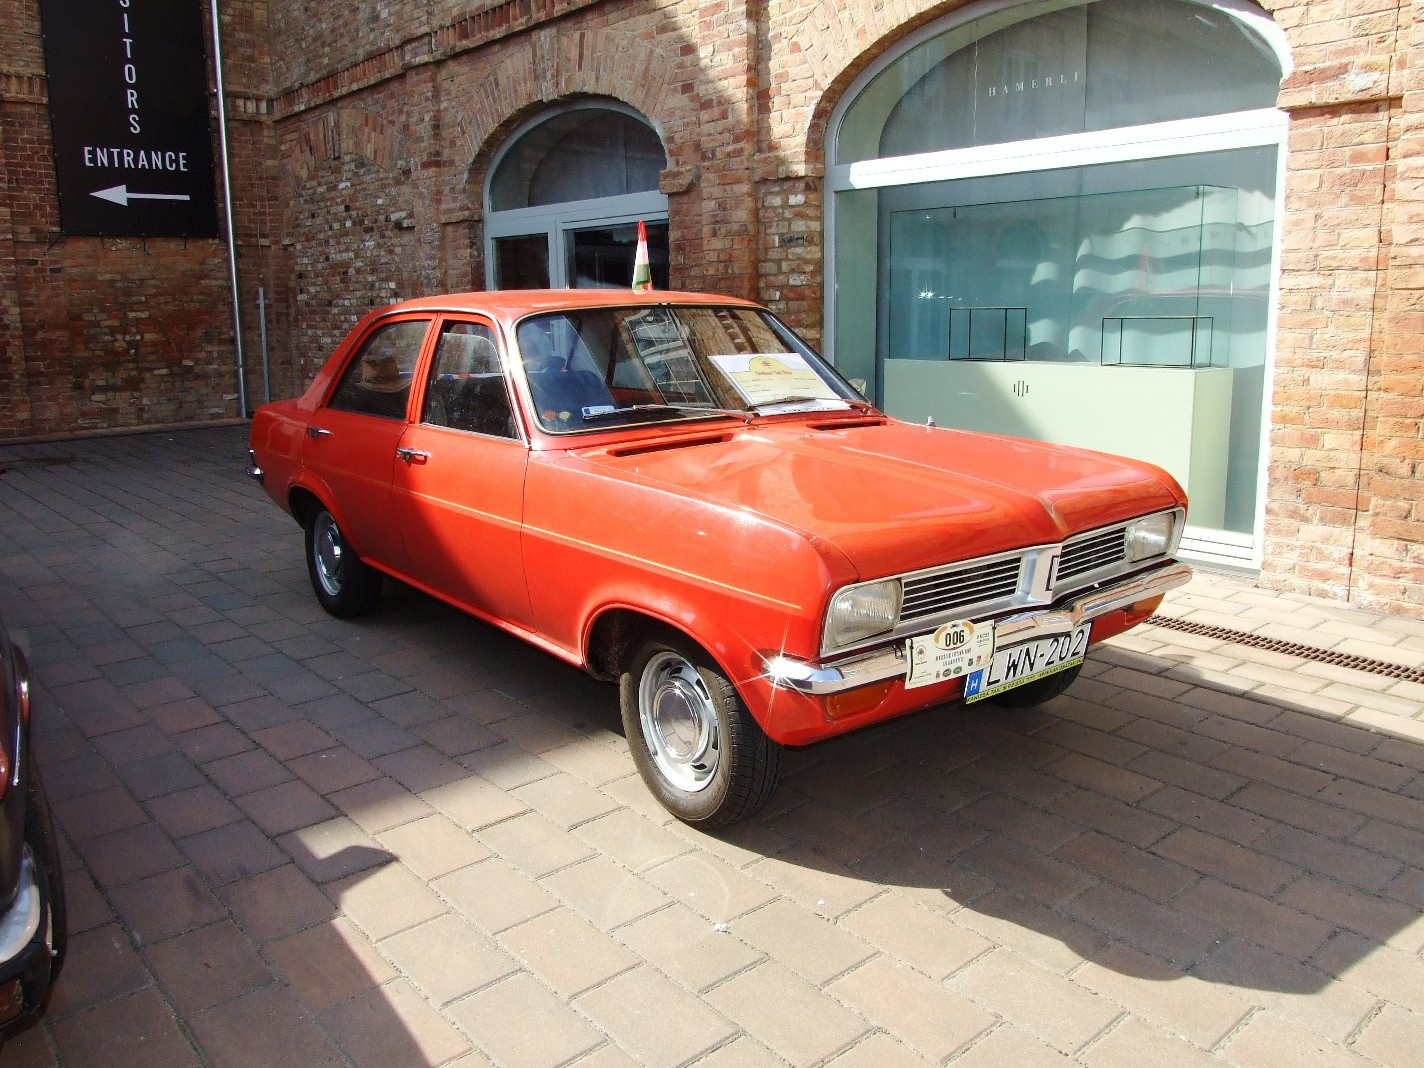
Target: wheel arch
303,503
616,630
614,633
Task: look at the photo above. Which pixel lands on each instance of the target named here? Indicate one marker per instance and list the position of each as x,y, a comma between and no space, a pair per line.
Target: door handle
412,456
317,432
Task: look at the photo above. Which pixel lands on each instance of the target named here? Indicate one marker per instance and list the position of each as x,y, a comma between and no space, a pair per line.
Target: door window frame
556,220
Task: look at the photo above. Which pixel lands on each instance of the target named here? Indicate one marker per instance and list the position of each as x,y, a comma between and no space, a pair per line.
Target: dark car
32,918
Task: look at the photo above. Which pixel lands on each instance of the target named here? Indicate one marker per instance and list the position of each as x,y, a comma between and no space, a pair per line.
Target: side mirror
859,384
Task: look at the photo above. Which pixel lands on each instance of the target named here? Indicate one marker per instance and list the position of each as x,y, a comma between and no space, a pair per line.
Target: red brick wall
1391,544
99,333
1343,517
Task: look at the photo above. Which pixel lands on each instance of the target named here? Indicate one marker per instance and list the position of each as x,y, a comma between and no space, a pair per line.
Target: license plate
1020,664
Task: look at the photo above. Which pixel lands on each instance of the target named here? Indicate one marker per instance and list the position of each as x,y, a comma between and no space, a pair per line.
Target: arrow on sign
119,194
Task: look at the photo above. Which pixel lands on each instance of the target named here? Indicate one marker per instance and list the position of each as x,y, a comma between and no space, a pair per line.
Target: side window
377,381
467,390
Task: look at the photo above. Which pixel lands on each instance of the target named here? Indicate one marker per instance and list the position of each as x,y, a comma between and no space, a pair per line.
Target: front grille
946,591
1088,554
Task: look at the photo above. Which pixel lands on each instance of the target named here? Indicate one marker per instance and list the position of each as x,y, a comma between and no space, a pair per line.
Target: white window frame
556,220
1255,128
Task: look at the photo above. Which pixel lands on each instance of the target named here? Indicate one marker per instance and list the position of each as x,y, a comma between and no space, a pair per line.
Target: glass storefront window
1092,66
584,154
1155,275
1105,290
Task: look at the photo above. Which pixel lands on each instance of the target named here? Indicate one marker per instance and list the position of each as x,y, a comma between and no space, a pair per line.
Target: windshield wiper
610,414
756,409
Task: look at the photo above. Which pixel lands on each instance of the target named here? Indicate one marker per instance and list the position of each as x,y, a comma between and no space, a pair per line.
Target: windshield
595,368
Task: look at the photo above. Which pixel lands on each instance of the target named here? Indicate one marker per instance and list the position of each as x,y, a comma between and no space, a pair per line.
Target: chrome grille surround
1030,578
940,592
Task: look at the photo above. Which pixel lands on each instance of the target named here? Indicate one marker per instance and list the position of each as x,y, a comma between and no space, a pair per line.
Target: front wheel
695,744
344,583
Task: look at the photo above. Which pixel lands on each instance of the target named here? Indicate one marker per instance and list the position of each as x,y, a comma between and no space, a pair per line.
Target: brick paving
411,840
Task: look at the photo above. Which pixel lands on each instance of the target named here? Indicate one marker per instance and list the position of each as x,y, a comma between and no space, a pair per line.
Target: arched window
565,196
1058,220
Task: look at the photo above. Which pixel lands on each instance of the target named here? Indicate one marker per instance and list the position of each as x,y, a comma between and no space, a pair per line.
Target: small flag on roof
642,272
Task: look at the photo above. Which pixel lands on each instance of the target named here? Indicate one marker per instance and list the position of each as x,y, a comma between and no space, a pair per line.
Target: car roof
510,304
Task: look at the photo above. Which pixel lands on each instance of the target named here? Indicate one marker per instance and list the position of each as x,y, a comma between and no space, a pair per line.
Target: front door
458,485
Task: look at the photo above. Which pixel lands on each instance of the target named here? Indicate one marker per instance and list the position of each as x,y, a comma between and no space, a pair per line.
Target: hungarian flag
642,273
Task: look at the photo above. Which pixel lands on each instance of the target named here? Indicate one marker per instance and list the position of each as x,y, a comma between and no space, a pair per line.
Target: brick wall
1390,573
1342,517
98,333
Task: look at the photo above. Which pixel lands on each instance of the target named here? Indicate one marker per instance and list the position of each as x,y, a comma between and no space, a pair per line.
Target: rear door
352,440
458,485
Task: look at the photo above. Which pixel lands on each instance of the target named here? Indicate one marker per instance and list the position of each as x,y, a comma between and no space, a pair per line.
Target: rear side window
377,380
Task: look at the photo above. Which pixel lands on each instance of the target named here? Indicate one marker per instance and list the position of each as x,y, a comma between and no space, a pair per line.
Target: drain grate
1304,652
25,463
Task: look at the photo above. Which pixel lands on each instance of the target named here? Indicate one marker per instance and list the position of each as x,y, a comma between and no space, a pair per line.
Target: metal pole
227,206
262,331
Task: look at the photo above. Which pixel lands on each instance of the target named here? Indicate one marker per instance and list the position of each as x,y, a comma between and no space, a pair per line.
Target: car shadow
1202,834
1151,821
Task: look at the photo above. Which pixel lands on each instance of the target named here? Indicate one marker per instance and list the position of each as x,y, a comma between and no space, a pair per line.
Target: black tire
1036,693
695,744
345,584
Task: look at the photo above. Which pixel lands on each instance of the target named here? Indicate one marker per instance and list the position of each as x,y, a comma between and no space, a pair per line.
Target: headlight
858,612
1151,537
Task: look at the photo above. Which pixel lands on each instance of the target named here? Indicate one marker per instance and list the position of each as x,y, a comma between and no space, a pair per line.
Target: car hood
894,497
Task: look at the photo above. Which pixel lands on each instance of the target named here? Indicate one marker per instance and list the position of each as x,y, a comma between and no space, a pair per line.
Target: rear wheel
695,744
1039,691
344,583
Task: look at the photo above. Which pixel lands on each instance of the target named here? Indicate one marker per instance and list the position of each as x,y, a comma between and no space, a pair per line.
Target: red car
671,490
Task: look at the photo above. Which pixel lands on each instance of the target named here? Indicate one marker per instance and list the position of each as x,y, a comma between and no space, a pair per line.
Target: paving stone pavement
411,840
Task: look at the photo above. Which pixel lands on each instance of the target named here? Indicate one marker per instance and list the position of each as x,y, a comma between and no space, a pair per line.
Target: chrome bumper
253,471
888,662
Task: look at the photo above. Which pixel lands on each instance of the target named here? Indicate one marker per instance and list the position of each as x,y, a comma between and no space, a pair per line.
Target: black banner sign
128,102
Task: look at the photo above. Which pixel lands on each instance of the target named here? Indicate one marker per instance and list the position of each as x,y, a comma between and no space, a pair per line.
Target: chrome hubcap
326,554
679,721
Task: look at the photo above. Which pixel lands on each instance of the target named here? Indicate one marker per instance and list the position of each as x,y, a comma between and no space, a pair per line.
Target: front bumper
26,947
820,679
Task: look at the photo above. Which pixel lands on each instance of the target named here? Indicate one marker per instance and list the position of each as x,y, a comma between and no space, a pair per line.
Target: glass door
521,262
601,257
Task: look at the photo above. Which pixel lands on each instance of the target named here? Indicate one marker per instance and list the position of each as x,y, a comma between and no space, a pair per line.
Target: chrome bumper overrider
889,662
253,471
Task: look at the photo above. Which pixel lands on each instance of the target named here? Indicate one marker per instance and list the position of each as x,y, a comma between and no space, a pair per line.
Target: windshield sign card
769,377
953,650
